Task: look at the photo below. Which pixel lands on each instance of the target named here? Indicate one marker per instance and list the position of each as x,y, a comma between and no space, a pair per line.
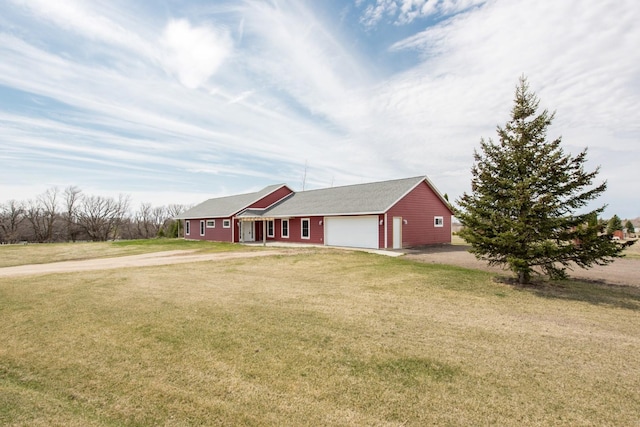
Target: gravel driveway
623,271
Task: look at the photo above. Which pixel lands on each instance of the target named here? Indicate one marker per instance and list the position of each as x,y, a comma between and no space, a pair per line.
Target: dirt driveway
149,259
623,271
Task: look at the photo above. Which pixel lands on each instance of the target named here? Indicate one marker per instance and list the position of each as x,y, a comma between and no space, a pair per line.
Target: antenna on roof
304,175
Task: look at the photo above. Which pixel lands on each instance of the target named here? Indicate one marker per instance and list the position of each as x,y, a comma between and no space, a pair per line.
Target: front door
247,231
397,232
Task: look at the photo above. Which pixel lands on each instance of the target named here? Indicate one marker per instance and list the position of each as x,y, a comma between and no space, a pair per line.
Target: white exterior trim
302,221
386,232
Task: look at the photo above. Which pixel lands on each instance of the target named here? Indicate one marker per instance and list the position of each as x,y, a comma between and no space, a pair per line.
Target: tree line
70,215
615,224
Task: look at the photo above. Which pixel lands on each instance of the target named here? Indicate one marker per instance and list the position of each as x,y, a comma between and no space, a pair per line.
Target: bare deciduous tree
42,214
34,214
72,196
100,216
143,221
49,202
11,216
70,215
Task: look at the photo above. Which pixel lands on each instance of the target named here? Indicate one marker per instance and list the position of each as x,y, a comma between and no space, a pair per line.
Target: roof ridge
418,177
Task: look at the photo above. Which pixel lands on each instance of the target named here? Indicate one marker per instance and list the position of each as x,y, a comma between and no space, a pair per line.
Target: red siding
316,230
216,234
271,198
418,209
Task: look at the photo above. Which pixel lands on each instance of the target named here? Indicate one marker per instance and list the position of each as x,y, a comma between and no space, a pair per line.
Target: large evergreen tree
525,192
615,224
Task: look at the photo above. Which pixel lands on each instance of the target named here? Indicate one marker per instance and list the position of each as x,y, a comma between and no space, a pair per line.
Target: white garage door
352,231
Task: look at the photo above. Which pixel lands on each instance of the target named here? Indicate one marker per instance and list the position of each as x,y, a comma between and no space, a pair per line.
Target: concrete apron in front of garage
391,253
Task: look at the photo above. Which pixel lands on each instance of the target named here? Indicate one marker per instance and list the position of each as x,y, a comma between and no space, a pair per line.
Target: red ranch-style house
380,215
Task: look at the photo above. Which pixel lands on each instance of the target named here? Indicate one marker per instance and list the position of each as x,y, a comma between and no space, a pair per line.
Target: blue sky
178,101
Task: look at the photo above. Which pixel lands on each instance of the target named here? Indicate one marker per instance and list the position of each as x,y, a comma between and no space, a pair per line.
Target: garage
352,231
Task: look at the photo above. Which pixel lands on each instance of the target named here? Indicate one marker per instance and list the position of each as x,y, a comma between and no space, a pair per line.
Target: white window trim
302,228
226,223
213,223
271,233
282,229
187,227
438,221
202,227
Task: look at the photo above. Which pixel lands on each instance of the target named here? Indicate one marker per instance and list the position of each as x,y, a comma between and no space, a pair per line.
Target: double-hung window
202,228
270,228
187,228
305,231
285,229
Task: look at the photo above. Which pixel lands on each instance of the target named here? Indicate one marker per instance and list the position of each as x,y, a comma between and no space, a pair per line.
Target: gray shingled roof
222,207
372,198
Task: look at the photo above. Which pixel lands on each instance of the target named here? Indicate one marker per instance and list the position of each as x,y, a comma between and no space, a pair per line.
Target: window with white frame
202,228
226,223
211,223
285,228
187,227
305,231
270,229
438,221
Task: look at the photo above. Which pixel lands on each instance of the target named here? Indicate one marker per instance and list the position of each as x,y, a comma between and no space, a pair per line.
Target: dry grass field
322,337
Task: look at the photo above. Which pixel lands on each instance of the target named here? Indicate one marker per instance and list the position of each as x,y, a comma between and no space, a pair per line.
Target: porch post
264,233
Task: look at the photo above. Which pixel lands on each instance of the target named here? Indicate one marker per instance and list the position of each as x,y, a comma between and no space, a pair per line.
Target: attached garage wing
352,231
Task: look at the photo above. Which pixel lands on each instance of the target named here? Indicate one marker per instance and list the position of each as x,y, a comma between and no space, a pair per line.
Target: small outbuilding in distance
391,214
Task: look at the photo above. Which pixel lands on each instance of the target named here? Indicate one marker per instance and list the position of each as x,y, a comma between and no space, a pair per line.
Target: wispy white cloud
194,53
406,11
100,22
231,96
578,58
299,54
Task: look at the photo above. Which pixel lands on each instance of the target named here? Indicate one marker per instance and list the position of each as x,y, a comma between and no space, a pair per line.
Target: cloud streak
234,96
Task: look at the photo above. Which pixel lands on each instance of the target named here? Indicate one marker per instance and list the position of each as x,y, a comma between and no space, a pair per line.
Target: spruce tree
615,224
631,229
525,194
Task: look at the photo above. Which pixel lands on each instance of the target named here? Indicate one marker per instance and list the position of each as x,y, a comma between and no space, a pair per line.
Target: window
270,228
202,228
187,227
226,223
438,221
304,228
285,228
211,223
